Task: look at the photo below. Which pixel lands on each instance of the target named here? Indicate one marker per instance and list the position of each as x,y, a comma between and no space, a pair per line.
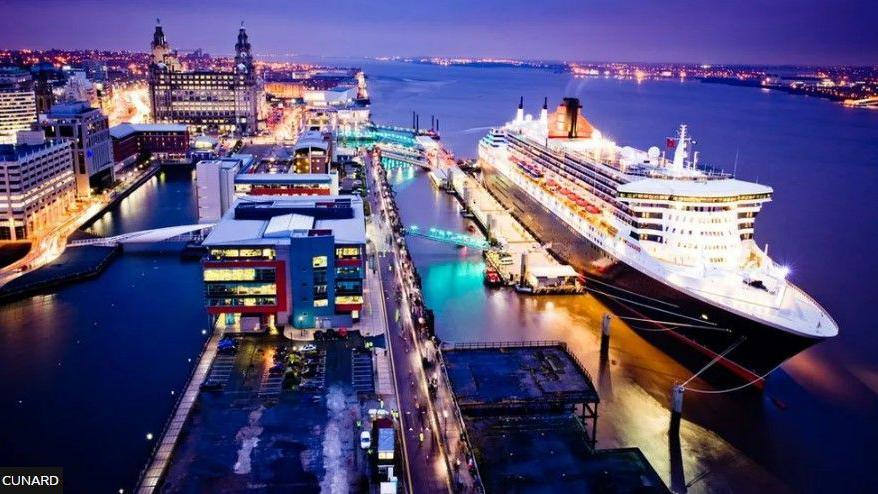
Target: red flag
671,143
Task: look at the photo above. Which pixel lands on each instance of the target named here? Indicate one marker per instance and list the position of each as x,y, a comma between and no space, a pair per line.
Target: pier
524,402
525,262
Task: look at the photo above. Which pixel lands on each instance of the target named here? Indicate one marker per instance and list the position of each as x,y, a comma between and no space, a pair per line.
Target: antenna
735,172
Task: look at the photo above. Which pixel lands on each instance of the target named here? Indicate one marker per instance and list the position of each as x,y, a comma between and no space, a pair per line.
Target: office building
36,184
287,261
165,142
206,100
87,128
17,103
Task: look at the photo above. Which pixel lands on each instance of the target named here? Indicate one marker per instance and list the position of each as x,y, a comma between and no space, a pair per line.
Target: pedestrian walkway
162,455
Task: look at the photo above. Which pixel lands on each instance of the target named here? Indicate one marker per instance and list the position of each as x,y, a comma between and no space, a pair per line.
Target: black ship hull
691,330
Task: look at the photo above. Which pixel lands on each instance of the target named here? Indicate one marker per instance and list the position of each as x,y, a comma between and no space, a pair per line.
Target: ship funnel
544,113
519,115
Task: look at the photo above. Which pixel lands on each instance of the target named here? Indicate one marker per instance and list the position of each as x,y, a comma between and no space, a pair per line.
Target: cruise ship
666,242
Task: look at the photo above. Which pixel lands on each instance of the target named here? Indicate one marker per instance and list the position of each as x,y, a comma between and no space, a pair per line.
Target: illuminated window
321,303
319,261
349,299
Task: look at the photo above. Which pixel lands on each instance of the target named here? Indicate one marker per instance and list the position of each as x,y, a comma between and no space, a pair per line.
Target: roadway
435,461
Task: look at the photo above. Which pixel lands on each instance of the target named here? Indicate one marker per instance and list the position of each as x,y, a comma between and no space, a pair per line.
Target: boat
667,242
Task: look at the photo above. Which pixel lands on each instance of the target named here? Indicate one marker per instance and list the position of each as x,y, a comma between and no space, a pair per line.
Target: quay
59,269
435,450
530,410
72,265
525,264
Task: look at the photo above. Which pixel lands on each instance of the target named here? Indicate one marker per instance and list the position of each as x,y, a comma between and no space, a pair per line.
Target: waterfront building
17,103
166,142
222,180
207,100
215,185
88,129
36,184
287,261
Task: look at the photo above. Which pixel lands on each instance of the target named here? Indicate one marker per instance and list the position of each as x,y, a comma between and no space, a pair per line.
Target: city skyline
680,31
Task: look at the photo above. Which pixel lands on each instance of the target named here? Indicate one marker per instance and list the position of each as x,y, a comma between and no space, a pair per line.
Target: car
365,440
310,347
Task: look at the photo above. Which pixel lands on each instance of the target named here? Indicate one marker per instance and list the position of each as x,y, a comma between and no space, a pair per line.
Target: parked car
365,440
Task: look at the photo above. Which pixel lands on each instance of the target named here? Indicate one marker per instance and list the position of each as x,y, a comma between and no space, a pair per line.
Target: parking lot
256,423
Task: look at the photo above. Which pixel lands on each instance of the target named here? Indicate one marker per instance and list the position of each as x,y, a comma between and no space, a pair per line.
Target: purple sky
714,31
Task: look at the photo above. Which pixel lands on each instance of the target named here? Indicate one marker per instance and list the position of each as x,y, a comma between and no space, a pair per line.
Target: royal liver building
207,100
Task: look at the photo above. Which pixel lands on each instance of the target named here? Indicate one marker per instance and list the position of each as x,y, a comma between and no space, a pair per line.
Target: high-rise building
18,109
88,129
36,184
207,100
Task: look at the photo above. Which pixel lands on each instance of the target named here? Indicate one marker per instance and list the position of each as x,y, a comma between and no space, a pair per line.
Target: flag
671,143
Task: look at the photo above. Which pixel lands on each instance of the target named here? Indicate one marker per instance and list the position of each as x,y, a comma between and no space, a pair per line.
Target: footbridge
447,237
171,234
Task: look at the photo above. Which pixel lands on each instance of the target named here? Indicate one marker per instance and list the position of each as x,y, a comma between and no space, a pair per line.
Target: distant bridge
448,237
171,234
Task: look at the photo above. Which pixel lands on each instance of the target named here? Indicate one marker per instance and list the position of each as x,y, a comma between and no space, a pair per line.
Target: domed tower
243,57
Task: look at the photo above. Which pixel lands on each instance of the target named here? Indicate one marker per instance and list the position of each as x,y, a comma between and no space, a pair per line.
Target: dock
530,410
72,265
526,263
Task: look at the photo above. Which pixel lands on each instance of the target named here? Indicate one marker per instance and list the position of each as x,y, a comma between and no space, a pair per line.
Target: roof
287,224
70,109
556,271
694,188
278,229
284,178
126,129
15,152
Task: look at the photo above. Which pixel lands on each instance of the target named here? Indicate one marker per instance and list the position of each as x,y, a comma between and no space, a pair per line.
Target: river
87,372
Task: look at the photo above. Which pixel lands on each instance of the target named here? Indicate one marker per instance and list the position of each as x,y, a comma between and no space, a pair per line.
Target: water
123,339
86,372
813,427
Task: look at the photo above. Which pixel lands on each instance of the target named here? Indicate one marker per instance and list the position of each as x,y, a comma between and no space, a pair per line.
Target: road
49,245
431,434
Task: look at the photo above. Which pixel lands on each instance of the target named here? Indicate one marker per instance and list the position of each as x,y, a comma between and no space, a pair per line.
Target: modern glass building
277,261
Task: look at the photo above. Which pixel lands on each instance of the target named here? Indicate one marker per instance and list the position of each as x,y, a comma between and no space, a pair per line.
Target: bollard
676,408
605,334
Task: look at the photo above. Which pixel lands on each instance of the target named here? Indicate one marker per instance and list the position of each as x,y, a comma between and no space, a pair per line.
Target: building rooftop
70,109
126,129
549,454
273,220
14,152
510,375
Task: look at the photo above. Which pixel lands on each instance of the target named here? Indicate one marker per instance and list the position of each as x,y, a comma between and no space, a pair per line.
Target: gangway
171,234
448,237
